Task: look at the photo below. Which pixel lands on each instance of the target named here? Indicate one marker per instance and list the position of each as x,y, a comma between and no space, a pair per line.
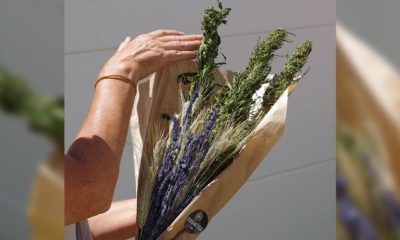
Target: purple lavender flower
208,129
171,177
182,177
188,113
202,151
355,223
163,178
171,183
169,155
211,120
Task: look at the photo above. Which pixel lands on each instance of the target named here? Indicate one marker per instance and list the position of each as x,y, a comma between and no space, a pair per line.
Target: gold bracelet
116,77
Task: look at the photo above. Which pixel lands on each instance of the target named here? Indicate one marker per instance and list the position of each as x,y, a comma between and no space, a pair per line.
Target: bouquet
202,128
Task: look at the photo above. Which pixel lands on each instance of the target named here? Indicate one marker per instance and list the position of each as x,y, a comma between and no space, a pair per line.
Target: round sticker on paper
196,222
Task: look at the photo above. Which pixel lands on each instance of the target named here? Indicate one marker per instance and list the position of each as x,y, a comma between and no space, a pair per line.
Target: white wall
376,22
292,193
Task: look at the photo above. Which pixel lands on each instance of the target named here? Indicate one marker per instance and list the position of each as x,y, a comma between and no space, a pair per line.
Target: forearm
118,223
92,162
109,115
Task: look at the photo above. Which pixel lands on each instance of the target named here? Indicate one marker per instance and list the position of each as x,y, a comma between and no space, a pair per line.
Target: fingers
161,33
124,43
176,56
181,45
181,38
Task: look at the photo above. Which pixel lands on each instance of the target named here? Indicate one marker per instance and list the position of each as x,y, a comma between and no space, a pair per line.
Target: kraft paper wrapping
160,95
46,203
367,96
368,106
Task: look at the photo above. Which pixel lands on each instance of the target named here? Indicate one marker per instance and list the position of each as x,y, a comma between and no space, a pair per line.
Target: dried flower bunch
43,114
212,127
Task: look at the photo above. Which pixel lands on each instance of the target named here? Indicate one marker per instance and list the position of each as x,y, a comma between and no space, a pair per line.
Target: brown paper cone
367,96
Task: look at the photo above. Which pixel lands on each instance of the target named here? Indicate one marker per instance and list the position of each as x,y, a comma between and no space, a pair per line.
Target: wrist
116,77
128,71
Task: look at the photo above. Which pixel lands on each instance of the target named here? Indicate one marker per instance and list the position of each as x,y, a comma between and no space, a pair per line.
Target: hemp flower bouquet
200,131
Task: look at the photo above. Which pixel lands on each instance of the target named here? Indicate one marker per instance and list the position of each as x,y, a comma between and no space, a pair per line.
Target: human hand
136,58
